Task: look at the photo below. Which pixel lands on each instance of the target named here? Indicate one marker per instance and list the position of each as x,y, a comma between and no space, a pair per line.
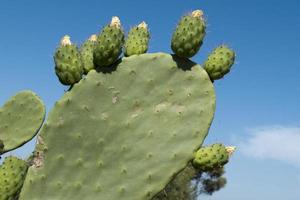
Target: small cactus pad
137,40
211,157
12,175
86,52
219,62
140,128
68,64
109,44
20,119
189,34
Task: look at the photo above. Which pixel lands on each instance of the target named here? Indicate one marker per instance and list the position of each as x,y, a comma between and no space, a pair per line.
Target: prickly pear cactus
131,127
12,175
158,116
20,119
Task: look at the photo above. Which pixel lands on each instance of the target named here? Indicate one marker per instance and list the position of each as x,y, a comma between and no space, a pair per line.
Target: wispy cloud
275,142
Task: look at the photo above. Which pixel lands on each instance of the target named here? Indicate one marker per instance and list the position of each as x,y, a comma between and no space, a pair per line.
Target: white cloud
276,142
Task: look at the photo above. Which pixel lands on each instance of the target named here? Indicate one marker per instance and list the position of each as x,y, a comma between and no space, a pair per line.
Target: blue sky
258,107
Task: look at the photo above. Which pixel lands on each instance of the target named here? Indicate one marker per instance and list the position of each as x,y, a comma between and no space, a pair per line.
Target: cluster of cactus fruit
128,128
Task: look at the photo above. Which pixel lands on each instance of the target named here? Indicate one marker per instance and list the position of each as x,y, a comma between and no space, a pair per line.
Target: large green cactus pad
20,119
123,135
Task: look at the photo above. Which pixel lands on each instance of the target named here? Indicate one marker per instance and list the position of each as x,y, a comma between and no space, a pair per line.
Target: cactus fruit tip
230,150
65,40
197,13
115,21
143,24
93,38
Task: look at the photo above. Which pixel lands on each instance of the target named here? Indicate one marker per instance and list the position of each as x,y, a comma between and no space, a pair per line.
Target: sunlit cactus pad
124,134
20,119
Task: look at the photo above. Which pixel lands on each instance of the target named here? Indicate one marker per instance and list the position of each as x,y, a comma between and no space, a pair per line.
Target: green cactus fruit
86,52
12,175
20,119
154,112
219,62
109,44
212,157
137,40
189,34
68,64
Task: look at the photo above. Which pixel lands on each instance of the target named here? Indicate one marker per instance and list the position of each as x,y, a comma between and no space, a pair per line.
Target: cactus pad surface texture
124,134
20,119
